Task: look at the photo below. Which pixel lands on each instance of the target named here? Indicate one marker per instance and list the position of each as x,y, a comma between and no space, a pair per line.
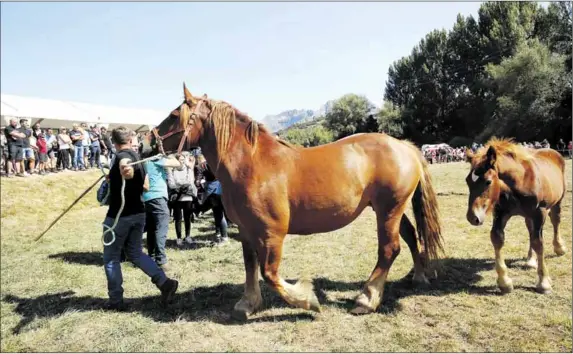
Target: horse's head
484,185
182,129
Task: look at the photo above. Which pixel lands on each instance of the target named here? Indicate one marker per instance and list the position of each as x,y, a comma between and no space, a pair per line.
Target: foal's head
484,184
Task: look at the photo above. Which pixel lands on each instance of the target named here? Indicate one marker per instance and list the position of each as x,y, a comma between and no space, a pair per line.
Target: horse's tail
425,205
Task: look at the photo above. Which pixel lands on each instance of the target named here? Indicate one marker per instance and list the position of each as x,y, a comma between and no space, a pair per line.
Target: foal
510,180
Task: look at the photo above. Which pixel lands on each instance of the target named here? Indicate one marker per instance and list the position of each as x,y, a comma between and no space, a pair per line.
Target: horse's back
551,170
551,156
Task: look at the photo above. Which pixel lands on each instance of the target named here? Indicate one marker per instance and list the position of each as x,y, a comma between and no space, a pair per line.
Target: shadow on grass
83,258
454,276
203,303
214,303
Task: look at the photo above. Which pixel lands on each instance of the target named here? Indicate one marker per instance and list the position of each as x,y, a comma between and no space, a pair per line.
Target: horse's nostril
476,220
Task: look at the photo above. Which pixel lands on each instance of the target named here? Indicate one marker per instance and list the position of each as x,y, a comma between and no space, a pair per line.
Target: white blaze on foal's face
482,194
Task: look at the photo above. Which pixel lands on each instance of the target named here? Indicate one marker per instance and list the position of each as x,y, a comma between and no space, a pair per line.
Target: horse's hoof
531,264
239,315
314,305
506,287
544,289
420,282
560,251
361,310
431,273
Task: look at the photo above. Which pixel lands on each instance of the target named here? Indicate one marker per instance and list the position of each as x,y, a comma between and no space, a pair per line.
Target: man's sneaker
179,242
168,290
221,240
189,240
117,306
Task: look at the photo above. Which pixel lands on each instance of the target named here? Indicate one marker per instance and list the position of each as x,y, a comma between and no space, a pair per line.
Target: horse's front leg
497,239
252,298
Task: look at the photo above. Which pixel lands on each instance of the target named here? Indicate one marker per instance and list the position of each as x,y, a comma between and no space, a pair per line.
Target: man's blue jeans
128,235
157,225
78,157
94,157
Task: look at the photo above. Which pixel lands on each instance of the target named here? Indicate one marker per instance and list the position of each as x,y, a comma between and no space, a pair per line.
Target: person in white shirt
52,144
64,143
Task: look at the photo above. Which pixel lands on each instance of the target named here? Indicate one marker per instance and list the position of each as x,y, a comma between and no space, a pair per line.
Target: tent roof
56,113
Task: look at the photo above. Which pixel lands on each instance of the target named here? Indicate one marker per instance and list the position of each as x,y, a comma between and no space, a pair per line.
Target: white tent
56,113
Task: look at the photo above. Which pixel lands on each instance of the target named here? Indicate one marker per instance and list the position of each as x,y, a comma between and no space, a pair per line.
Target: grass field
53,291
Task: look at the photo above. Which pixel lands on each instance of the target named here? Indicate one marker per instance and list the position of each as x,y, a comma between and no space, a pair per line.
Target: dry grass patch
52,291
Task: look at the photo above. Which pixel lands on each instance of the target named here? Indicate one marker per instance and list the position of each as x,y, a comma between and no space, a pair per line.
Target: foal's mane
223,119
505,147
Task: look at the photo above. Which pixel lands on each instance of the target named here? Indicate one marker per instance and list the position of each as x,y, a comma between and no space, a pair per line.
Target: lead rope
108,229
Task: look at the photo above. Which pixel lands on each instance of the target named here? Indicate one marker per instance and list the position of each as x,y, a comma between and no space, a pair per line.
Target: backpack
102,195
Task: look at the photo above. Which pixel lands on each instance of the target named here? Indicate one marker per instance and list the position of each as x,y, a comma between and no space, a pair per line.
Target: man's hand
126,171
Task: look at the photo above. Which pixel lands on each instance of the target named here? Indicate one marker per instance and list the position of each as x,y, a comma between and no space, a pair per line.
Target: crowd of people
32,150
445,154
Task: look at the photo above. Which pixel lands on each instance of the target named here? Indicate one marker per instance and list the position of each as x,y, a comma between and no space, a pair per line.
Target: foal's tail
425,205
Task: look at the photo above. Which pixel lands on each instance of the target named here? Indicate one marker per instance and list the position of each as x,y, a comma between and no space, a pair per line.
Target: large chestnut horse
510,180
271,189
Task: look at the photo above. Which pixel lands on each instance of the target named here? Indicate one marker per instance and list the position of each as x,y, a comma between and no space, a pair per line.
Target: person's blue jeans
157,225
128,236
78,157
94,157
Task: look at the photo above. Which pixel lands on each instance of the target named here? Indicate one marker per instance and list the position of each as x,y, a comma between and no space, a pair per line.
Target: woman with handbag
182,181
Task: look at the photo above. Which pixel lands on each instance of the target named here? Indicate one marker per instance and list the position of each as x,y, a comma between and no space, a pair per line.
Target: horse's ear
188,96
491,156
469,155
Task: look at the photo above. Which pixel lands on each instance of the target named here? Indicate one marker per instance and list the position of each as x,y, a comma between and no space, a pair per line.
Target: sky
264,58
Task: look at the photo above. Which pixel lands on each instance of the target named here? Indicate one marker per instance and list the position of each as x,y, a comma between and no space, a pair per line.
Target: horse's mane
223,120
506,147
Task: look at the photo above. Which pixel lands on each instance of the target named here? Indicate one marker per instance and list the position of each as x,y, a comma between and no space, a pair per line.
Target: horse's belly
328,218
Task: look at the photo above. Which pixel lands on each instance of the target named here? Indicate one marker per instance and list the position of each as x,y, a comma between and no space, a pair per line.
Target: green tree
529,87
390,120
349,115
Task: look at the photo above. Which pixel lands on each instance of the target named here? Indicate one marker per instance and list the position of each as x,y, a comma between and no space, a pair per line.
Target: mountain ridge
285,119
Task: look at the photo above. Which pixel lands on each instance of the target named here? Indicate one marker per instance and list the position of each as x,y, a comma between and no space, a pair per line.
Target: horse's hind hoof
361,310
560,251
314,305
240,316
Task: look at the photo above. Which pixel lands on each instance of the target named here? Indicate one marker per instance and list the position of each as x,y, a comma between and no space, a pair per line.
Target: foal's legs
531,255
555,215
544,284
388,249
300,294
408,233
252,299
497,239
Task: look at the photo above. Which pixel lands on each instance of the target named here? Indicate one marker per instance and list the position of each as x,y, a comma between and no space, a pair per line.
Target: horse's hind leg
558,245
252,299
388,249
408,233
531,255
300,294
544,284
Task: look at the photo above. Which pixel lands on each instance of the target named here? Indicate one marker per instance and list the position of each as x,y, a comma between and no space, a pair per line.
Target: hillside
288,118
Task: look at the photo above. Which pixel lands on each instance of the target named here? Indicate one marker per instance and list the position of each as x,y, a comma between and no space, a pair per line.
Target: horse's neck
236,161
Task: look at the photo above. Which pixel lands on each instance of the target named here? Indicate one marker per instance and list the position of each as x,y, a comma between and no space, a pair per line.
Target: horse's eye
488,182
